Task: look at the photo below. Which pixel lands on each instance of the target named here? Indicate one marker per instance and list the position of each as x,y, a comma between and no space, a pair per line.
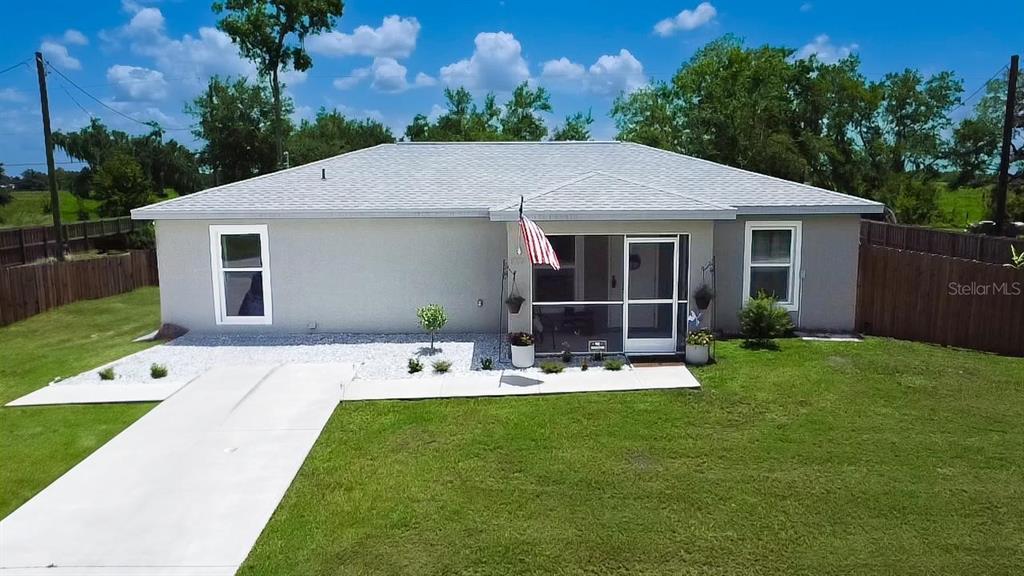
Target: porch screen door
650,311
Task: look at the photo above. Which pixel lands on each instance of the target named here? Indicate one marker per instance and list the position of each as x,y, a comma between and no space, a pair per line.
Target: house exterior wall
346,275
701,249
828,262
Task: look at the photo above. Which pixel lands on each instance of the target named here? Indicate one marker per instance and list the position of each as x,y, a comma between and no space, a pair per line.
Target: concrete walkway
187,489
521,382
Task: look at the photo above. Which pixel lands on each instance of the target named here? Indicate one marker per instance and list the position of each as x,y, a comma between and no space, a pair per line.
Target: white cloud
12,95
394,38
562,70
806,7
58,55
608,76
687,20
386,75
74,37
137,83
496,64
825,50
146,21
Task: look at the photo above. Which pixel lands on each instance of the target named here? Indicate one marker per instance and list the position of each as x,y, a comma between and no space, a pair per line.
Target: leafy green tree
235,119
974,148
332,134
121,185
33,180
576,127
520,120
913,116
649,116
265,30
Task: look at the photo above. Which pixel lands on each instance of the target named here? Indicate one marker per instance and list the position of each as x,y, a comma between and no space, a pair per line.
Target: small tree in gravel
432,318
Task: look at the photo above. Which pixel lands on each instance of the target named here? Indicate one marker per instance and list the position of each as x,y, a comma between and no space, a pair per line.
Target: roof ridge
745,171
667,191
503,142
171,201
524,198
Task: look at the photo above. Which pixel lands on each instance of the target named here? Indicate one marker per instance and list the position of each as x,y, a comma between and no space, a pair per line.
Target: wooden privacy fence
26,245
28,290
938,299
991,249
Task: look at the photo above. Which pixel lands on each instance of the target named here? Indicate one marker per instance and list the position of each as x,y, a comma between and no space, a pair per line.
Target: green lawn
962,206
39,443
28,208
881,457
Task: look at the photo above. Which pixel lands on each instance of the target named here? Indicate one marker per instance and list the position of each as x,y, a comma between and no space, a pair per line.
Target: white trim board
216,266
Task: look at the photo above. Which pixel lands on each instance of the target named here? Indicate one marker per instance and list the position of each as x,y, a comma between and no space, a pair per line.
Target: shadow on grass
770,345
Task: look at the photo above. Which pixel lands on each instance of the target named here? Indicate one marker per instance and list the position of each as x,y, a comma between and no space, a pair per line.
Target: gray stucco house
357,242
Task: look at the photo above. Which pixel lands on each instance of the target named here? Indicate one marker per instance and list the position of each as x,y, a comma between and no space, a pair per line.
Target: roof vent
323,173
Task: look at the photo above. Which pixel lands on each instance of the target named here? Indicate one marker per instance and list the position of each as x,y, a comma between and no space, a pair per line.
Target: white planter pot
522,356
697,354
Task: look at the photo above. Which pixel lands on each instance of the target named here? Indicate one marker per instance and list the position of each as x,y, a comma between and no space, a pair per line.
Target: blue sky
390,60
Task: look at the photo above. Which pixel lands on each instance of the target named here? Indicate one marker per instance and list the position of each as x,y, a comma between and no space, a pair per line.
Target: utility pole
1004,156
44,104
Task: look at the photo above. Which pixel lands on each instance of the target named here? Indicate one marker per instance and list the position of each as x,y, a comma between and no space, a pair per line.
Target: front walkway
187,489
521,382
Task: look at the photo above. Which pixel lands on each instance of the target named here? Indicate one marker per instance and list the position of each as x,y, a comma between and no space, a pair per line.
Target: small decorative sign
598,345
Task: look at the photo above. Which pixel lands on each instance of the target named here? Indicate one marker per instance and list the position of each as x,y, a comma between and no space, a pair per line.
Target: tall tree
914,114
121,185
236,120
264,31
332,134
576,127
520,119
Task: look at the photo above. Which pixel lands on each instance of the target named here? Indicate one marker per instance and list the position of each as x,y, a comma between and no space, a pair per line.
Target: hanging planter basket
514,302
703,297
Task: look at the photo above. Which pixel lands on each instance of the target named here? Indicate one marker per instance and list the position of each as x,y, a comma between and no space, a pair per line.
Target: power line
80,107
6,164
979,89
111,108
13,66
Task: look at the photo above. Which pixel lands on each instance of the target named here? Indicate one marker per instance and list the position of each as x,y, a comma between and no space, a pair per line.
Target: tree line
760,108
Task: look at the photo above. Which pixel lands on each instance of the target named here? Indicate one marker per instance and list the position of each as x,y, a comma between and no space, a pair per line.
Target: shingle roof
479,179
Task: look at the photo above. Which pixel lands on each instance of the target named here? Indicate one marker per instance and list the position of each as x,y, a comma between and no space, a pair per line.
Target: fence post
21,244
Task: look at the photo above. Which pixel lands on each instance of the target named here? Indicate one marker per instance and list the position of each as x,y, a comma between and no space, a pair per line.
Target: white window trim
216,231
795,271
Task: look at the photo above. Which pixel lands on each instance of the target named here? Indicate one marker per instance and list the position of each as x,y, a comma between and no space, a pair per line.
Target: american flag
537,245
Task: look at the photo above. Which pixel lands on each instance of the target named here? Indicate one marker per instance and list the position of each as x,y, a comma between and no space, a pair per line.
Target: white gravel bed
375,356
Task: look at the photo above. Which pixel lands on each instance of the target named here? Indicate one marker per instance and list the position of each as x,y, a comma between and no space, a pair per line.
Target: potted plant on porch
522,349
698,346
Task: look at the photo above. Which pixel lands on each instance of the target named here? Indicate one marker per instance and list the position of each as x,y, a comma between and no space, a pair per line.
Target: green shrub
441,366
613,364
432,318
567,356
157,370
486,363
415,365
142,238
584,366
763,320
551,367
107,373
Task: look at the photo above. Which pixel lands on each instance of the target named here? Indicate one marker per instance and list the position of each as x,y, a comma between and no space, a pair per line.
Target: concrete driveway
185,490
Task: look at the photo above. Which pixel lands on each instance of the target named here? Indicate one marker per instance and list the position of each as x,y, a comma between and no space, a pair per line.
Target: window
772,261
240,259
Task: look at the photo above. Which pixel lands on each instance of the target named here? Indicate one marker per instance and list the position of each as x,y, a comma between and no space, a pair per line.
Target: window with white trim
771,262
240,259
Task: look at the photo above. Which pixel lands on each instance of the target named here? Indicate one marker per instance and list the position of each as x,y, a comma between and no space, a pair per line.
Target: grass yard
39,443
883,457
28,208
962,206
